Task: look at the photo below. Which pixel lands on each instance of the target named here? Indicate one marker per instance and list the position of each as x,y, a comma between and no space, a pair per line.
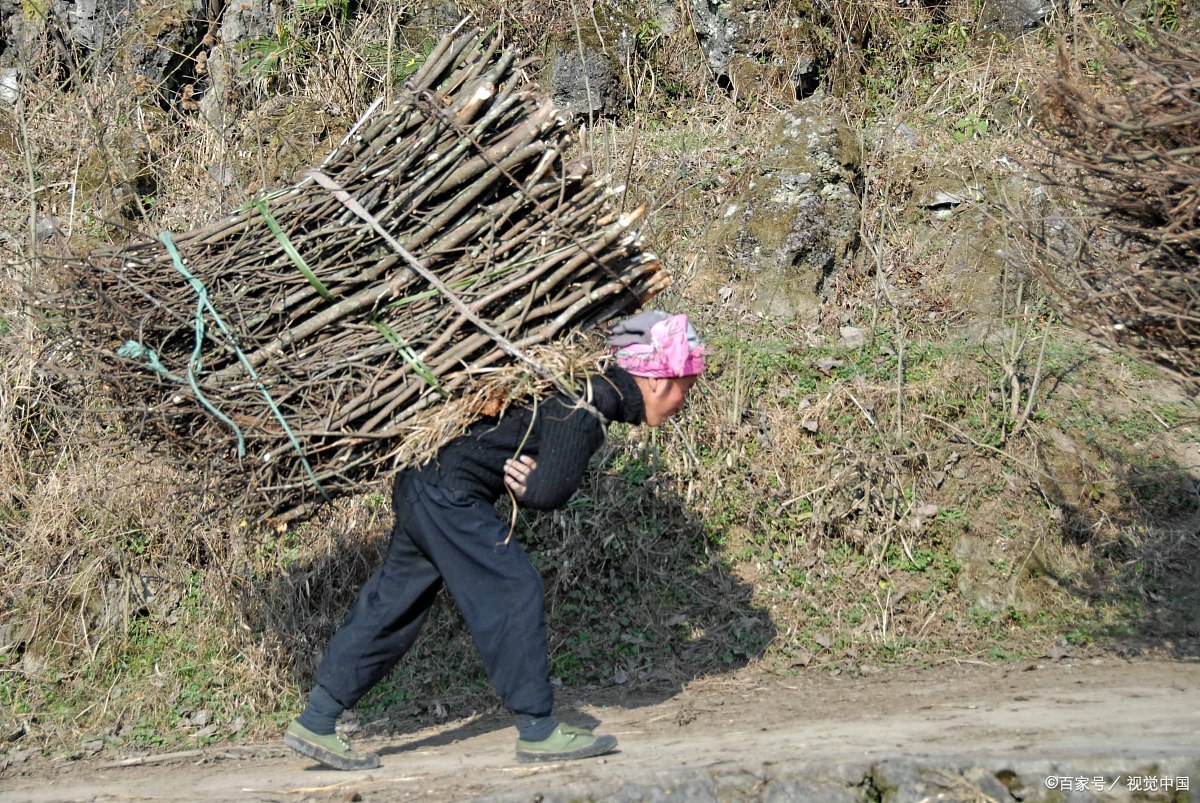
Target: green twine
406,351
291,251
203,303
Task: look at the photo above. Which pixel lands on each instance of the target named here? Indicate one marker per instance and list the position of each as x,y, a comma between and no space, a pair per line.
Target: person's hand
516,474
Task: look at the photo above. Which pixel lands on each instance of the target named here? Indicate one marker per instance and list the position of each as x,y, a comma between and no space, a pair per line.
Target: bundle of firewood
338,330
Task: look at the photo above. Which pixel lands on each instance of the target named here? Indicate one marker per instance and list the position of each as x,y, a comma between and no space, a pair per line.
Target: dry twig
1123,136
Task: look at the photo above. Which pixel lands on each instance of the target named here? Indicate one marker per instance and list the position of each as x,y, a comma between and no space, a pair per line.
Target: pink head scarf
657,344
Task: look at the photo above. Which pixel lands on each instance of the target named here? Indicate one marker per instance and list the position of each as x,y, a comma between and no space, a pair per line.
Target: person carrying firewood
448,531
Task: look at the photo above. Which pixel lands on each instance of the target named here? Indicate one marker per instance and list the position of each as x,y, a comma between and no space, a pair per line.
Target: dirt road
1050,730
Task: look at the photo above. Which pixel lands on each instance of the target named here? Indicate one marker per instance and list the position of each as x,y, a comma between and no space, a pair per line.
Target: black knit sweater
560,436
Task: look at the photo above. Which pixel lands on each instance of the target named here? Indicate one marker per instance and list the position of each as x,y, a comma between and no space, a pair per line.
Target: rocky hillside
902,453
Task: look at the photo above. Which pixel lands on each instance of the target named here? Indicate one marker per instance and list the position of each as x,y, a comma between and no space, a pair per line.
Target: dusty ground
960,731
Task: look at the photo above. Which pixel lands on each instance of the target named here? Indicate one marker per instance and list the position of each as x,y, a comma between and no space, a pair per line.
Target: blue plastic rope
203,304
135,351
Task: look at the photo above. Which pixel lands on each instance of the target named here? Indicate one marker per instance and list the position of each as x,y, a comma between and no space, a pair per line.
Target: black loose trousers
453,537
448,532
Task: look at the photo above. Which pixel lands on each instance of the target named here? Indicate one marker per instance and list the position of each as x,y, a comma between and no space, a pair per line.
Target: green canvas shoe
565,743
332,750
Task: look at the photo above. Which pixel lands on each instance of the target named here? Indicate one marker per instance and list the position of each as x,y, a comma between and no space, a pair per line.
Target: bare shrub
1122,131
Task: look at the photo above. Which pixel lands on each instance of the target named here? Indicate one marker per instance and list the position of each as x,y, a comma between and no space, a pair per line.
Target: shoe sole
602,745
329,758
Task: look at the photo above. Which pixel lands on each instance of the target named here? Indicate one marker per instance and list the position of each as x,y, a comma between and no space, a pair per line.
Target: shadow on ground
638,603
1141,531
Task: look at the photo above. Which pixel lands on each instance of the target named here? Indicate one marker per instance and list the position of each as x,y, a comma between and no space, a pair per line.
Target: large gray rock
226,69
747,51
719,29
1015,17
22,39
797,221
161,43
93,25
584,81
585,63
246,20
153,43
753,47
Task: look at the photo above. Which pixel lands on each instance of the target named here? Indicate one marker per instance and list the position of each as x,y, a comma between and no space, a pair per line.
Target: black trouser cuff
535,729
321,713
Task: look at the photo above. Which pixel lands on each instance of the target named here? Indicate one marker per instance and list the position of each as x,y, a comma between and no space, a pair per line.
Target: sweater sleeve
568,436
